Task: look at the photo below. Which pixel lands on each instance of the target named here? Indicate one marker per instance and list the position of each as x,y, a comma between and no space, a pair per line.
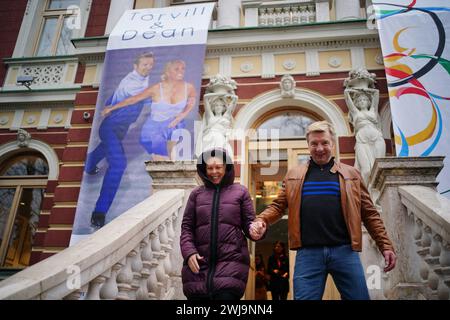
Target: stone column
161,3
175,175
347,9
116,9
251,17
322,11
388,174
229,14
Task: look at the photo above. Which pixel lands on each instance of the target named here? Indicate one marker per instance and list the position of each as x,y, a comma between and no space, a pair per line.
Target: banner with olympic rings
415,41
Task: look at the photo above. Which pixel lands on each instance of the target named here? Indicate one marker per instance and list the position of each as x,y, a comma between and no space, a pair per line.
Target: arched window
23,178
290,124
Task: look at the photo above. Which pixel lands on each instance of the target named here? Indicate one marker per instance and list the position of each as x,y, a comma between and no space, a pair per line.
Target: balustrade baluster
110,290
94,288
136,268
124,279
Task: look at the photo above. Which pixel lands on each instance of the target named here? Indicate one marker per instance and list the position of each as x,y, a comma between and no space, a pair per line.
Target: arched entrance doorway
267,158
24,174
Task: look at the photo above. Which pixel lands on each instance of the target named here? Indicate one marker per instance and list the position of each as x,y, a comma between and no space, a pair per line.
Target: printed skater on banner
173,99
112,131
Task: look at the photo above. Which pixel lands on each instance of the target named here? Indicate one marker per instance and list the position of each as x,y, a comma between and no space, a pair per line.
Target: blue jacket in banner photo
111,133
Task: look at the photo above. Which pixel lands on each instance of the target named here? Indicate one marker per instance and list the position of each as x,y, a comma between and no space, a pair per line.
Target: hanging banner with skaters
146,108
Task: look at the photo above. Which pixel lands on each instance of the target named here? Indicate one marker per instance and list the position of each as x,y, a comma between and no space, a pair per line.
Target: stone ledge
394,171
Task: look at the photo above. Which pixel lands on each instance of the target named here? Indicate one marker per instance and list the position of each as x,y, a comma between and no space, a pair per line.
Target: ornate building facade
53,54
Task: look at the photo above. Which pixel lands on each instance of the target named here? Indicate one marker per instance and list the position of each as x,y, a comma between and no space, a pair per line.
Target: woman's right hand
193,262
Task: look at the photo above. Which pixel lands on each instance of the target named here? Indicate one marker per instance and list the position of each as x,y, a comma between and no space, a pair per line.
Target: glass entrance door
265,180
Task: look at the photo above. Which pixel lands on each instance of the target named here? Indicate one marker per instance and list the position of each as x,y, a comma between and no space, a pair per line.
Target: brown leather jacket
357,207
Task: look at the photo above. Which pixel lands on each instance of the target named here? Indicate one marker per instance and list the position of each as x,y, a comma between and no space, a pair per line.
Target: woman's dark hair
260,265
215,153
281,245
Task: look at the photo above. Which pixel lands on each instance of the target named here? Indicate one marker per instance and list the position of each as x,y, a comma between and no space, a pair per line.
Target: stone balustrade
429,214
129,258
47,72
286,15
417,220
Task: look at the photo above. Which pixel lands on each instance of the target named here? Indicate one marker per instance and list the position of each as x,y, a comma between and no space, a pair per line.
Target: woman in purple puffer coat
216,222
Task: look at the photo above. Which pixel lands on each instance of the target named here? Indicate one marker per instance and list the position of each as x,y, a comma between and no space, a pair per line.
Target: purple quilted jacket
215,225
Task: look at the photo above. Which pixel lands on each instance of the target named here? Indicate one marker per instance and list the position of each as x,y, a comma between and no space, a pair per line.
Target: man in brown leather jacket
327,201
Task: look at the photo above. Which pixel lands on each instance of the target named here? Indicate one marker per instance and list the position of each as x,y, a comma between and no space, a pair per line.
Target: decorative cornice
27,9
36,105
39,60
298,45
92,58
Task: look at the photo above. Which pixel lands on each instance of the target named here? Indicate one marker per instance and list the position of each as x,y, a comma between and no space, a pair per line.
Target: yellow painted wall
10,116
142,4
370,55
62,114
12,75
256,61
70,74
300,63
27,116
344,55
89,74
211,67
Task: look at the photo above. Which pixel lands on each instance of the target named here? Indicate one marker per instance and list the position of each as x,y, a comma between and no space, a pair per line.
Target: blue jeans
313,264
111,133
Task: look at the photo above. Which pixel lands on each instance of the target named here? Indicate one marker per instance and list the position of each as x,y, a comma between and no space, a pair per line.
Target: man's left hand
390,259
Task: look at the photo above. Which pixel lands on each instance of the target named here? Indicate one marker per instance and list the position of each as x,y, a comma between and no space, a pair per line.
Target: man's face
144,67
320,145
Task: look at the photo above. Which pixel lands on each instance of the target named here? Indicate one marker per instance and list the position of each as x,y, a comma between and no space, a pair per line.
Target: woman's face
215,170
219,107
363,102
278,248
176,72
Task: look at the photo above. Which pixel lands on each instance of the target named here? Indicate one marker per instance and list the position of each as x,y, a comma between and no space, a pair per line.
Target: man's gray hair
142,56
321,126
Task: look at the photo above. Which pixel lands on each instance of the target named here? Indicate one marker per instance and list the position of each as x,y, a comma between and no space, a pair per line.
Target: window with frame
57,27
290,124
175,2
23,179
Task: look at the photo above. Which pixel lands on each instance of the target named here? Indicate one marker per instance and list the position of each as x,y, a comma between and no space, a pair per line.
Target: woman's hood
227,179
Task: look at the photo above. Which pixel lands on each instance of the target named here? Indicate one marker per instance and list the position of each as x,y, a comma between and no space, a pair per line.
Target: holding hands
257,229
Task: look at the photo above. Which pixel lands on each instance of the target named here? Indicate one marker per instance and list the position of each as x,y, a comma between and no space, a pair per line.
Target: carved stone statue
220,102
287,86
23,138
362,100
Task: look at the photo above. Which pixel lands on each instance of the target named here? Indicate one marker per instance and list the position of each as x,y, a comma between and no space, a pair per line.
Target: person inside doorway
278,270
261,278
